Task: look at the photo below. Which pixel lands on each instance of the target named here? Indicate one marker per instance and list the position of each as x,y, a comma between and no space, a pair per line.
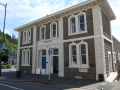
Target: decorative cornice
64,13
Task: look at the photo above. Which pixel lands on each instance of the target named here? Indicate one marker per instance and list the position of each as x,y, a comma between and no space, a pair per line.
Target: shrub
5,66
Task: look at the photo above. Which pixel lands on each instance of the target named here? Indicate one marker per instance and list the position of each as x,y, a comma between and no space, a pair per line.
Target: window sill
77,33
73,67
25,65
26,43
82,67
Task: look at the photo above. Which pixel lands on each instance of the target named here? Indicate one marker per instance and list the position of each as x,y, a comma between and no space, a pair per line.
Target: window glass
82,23
42,33
55,51
83,54
43,52
54,30
73,25
74,56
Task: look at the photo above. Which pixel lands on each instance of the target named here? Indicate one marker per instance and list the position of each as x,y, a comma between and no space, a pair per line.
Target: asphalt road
4,85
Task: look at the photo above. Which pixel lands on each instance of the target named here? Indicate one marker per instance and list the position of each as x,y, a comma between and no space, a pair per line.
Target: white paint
34,52
99,41
18,51
10,86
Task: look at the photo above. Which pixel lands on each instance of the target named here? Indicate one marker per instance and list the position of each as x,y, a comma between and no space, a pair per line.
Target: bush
5,66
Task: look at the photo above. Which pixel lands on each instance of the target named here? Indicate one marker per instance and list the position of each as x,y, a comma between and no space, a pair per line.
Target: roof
81,6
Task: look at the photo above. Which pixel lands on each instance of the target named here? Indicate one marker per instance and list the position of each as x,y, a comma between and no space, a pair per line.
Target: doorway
110,61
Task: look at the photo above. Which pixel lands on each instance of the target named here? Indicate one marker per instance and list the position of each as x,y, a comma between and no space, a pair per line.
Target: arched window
72,24
42,33
25,58
28,36
83,53
82,26
53,30
73,55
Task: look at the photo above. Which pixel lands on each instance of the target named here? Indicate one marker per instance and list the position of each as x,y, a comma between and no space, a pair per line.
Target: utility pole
5,5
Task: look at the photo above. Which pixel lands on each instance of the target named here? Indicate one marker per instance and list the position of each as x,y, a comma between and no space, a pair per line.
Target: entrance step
112,77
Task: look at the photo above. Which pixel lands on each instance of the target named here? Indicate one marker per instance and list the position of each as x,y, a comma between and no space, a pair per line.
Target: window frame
69,25
79,64
51,30
70,55
25,57
87,58
26,39
41,39
85,22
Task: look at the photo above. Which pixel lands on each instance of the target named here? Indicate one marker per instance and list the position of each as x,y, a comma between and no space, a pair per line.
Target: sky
20,12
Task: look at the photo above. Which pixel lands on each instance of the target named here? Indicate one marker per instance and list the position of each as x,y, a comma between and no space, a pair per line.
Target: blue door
43,62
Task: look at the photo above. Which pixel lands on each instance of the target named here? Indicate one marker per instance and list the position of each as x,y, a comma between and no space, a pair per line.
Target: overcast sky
20,12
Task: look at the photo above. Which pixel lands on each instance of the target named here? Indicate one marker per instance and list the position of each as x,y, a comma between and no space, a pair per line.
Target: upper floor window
42,32
27,36
82,22
53,31
25,57
118,56
77,24
72,24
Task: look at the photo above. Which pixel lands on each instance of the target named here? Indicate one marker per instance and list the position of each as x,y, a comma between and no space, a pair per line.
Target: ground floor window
78,55
25,57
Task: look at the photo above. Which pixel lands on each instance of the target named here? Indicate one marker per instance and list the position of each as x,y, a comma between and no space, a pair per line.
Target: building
74,42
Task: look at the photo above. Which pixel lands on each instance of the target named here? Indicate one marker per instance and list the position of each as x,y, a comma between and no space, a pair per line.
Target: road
4,85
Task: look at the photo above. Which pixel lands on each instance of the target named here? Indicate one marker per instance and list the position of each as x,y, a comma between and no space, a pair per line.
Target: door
43,62
55,64
110,61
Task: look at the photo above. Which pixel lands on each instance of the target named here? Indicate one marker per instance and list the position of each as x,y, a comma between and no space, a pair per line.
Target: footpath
8,75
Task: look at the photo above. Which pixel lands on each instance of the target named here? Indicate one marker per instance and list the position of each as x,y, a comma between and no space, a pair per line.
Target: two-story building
75,42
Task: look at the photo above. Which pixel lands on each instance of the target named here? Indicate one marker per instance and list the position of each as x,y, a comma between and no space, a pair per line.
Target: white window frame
114,57
70,55
85,22
51,30
69,25
87,59
43,26
28,36
77,20
119,56
26,58
24,38
27,39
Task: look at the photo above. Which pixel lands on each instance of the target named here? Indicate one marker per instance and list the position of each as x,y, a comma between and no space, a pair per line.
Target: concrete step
112,77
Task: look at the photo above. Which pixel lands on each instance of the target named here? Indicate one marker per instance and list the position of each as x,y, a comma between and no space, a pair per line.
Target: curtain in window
74,55
73,25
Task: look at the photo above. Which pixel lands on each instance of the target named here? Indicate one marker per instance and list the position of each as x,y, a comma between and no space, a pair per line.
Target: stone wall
89,20
72,72
26,69
106,26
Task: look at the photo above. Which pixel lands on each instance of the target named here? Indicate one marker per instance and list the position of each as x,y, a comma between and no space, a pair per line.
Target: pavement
8,75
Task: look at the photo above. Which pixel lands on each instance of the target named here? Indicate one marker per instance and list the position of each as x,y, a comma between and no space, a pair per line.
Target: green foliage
5,66
10,41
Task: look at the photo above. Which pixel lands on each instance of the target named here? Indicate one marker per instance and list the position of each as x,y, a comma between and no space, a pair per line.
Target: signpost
49,52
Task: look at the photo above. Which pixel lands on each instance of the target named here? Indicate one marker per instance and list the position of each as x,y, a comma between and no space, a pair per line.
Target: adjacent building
75,42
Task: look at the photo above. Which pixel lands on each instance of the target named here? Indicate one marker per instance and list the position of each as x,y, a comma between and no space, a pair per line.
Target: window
77,24
27,36
53,31
78,55
81,19
42,32
83,47
72,24
25,57
74,55
118,56
114,56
